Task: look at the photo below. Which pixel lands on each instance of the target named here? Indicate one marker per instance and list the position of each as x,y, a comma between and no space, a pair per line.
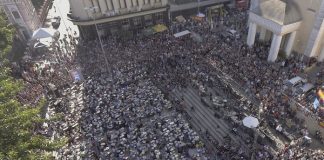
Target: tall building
290,26
23,15
113,16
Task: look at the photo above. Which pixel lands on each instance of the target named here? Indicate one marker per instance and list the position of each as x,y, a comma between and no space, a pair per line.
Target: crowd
127,112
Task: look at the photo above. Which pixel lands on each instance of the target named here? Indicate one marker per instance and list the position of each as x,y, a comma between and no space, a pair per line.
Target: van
294,81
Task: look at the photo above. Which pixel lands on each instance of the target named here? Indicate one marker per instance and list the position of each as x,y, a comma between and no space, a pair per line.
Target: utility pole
102,48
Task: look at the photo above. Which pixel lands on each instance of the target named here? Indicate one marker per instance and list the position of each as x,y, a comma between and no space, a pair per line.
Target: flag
316,104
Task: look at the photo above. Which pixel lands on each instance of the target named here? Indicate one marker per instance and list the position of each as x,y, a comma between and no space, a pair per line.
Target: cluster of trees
18,122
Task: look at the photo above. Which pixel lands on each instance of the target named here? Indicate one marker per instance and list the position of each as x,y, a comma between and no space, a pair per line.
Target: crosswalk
202,117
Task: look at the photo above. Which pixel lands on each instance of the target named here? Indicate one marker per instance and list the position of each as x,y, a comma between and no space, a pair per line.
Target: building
22,15
290,26
242,4
190,7
113,16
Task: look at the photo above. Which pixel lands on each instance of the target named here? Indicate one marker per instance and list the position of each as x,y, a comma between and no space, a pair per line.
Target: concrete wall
109,8
77,9
309,10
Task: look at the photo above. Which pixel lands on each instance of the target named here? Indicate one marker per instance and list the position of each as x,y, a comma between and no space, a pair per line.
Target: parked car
293,82
56,21
303,90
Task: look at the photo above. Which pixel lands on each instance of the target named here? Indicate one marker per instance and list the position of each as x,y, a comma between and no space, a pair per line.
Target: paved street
202,118
61,8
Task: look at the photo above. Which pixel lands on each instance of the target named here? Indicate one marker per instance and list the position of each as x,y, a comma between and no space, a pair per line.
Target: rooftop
280,11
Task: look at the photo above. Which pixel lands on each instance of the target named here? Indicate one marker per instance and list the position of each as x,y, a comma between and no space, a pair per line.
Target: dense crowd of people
125,110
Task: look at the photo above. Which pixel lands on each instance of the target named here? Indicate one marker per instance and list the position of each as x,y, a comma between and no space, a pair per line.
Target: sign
76,75
321,123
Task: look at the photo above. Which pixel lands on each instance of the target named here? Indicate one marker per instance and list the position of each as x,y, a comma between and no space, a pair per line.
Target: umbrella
250,122
43,33
180,19
159,28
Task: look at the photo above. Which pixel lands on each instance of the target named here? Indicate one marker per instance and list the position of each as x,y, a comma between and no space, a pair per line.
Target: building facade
116,16
289,25
22,14
189,7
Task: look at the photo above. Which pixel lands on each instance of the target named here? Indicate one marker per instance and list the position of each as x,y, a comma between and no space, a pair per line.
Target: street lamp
93,10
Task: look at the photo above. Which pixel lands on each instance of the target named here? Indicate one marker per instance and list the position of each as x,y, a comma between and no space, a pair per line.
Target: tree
38,3
18,122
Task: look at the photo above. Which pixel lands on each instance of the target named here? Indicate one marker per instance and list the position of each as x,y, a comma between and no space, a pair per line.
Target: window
159,16
148,19
16,14
125,24
137,21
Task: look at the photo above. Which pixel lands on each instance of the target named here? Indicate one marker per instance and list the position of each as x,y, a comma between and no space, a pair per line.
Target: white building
23,15
290,25
113,16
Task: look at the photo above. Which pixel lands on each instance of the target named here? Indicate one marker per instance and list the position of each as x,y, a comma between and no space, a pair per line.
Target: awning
180,19
201,15
181,33
159,28
43,33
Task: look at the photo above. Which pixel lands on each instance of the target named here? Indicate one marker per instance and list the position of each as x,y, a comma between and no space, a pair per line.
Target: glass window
159,16
137,21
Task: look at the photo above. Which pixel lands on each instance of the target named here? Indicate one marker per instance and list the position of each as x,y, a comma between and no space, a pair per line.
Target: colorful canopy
159,28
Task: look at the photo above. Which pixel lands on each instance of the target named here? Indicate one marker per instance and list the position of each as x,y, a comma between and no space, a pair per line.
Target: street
61,8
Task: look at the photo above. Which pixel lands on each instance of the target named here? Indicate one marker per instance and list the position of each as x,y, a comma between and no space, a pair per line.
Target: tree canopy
18,122
38,3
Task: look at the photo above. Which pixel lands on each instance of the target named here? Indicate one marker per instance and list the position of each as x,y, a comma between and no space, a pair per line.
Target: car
56,21
303,90
293,82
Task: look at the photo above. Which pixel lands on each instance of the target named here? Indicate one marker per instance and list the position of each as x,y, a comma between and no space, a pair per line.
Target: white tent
43,33
201,15
181,33
250,122
181,19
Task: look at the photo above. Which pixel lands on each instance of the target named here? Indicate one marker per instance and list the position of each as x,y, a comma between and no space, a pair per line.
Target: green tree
38,3
18,122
